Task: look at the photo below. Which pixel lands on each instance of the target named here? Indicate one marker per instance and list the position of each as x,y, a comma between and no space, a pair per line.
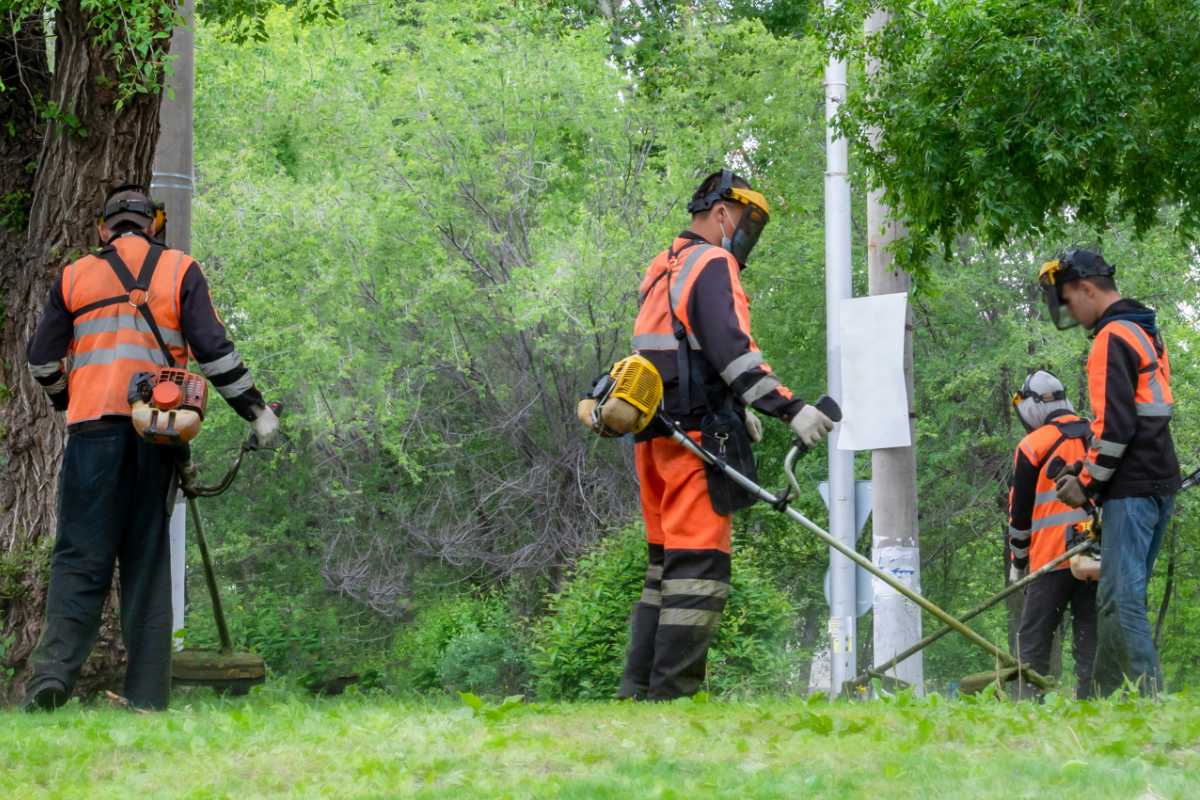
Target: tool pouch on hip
723,433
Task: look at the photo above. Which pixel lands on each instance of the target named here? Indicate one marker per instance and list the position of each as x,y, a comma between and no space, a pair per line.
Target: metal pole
842,633
171,183
172,180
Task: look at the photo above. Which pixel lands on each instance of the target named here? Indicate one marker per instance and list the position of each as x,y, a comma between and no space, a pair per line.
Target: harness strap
130,284
90,307
687,369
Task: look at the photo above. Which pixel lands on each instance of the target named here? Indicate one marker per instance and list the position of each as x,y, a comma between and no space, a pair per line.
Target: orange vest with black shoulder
663,331
1152,395
112,340
1065,438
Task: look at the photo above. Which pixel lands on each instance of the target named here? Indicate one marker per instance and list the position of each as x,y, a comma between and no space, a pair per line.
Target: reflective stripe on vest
1051,518
171,336
112,342
1158,403
663,338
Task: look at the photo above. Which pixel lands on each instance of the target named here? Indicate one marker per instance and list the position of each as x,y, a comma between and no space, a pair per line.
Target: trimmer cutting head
993,678
232,673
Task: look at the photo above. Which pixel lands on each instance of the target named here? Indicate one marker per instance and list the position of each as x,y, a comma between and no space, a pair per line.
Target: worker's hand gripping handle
1058,467
827,406
252,440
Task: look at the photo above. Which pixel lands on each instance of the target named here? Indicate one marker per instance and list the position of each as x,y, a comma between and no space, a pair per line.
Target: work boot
49,696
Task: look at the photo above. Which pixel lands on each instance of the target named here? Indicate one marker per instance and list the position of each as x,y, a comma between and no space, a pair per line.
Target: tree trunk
77,164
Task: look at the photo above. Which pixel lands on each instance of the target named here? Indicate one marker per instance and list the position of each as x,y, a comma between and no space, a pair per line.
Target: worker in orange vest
134,306
1040,523
693,324
1130,469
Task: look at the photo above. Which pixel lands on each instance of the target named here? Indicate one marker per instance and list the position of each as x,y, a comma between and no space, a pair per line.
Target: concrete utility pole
894,545
842,633
172,184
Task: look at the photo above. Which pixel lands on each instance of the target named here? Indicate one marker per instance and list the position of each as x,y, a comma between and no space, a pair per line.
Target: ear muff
144,206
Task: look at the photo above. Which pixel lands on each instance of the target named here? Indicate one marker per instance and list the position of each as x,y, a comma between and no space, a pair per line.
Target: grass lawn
279,743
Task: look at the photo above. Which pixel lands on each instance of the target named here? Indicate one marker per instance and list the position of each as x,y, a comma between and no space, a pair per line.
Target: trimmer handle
829,407
1190,481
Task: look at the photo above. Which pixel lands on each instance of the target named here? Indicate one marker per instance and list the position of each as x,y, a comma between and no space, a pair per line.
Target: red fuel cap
167,395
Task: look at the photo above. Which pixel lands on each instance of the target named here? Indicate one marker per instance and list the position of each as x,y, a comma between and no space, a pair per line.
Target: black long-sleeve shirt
1132,453
203,332
721,349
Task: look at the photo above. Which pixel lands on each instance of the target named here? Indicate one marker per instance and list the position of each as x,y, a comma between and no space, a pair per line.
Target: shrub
485,663
431,651
579,649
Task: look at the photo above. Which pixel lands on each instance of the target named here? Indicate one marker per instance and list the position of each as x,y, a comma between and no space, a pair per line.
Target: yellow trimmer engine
623,401
168,406
1085,566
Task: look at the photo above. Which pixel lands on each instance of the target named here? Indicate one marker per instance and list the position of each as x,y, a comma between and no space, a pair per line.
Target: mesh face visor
1051,278
754,220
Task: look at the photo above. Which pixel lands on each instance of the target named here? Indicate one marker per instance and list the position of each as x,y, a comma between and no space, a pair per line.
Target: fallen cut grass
280,743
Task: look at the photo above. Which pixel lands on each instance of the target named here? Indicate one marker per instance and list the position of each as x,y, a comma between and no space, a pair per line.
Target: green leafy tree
80,83
1004,117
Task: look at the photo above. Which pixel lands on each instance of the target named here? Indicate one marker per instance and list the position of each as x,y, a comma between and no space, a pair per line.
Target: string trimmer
629,398
225,670
780,504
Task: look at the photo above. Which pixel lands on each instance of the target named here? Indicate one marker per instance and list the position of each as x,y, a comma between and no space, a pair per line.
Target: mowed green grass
278,743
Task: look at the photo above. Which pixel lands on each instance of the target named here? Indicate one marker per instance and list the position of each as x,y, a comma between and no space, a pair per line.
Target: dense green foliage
275,744
424,227
580,646
464,643
999,117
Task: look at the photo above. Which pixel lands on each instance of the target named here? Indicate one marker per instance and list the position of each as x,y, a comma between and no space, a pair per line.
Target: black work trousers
673,623
112,508
1046,599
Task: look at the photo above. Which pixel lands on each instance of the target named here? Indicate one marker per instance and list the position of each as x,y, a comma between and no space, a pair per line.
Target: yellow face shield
1050,279
751,198
755,217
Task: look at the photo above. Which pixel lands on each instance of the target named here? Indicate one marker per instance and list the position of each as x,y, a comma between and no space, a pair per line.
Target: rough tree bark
75,164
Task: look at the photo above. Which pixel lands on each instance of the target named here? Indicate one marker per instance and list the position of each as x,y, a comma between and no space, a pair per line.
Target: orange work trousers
687,576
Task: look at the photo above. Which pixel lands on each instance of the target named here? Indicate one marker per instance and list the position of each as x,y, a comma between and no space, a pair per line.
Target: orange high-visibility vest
664,298
1052,519
1153,396
667,285
112,340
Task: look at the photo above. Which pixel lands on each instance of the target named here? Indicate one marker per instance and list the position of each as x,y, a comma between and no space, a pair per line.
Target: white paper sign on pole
874,400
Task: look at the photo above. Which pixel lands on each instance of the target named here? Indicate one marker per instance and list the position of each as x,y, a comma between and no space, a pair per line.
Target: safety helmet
1041,395
131,203
755,217
1061,270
